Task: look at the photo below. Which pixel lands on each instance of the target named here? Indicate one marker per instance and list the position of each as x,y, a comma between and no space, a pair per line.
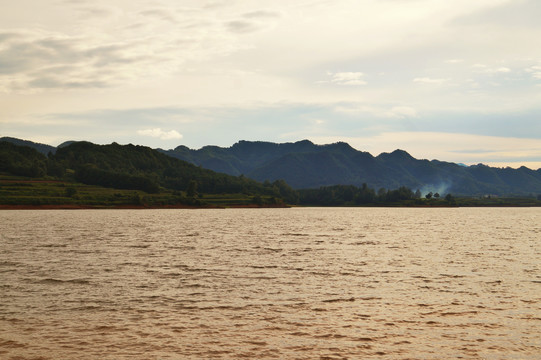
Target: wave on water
311,283
53,281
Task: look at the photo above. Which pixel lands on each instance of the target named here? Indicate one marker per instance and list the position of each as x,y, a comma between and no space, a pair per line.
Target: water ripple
270,284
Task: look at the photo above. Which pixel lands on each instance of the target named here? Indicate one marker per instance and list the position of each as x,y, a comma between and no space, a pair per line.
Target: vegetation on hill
86,174
139,168
306,165
21,160
42,148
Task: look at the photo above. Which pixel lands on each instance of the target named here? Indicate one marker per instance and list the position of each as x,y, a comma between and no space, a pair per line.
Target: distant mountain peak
398,154
340,144
401,153
42,148
182,147
66,143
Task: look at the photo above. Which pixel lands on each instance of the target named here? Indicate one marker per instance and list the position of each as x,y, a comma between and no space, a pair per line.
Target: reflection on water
309,283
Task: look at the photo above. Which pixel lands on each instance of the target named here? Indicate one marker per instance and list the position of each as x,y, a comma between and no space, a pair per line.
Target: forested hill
301,164
306,165
126,167
42,148
94,161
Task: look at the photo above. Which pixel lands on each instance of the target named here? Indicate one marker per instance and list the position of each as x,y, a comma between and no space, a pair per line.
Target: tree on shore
191,191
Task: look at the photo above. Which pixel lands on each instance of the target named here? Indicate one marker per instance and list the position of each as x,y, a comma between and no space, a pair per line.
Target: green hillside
306,165
22,160
90,175
134,168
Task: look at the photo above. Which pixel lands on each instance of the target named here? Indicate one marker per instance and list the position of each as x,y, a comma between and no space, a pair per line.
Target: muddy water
273,283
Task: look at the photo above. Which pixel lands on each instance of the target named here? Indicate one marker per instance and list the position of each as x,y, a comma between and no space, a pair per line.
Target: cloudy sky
453,80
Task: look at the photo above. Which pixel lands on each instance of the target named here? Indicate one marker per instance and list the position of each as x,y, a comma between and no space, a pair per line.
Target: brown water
312,283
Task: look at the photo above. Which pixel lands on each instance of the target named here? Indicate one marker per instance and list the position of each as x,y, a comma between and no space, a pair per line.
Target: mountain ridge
42,148
303,164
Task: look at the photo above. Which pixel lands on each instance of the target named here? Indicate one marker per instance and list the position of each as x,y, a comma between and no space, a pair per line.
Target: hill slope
101,164
301,164
306,165
126,167
42,148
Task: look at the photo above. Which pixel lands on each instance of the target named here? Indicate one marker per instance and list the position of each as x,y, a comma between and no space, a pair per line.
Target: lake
300,283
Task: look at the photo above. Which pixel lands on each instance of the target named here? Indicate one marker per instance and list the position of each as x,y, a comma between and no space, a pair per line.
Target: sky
457,80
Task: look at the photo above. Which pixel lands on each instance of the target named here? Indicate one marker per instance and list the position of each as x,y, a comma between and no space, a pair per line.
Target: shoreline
135,207
238,206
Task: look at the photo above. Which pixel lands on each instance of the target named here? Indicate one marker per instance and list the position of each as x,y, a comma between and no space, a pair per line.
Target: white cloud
45,60
262,14
348,78
359,109
252,21
134,43
535,71
427,80
479,66
402,112
482,68
161,134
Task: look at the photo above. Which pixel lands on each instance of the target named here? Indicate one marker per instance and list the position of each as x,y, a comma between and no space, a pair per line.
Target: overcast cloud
454,80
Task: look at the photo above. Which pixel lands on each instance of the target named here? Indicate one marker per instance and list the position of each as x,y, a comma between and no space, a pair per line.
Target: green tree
382,193
22,160
191,191
437,195
283,190
429,195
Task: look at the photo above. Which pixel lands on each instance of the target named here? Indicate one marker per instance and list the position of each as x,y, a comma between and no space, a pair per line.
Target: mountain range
304,164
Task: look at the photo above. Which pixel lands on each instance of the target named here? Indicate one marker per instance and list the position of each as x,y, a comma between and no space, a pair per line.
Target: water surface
309,283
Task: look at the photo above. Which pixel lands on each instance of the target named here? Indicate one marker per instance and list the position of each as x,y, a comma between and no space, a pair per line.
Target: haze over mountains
306,165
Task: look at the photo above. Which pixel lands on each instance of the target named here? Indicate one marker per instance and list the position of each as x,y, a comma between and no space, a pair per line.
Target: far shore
132,207
237,206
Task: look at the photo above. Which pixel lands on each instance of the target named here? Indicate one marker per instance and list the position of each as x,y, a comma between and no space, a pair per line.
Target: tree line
343,195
